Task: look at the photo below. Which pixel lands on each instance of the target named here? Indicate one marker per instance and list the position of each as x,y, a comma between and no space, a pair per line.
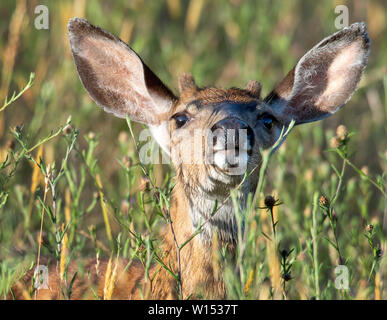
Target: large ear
115,76
325,77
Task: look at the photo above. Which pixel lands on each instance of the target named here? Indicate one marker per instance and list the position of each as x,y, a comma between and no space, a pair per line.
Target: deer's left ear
325,77
115,76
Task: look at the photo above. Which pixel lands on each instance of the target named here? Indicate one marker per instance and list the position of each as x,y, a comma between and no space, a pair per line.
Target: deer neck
212,212
200,269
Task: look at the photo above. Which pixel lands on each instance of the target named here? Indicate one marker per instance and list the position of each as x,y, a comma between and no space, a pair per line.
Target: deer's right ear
324,79
115,76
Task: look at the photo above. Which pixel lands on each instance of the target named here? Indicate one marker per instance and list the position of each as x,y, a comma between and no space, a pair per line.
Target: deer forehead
212,95
223,102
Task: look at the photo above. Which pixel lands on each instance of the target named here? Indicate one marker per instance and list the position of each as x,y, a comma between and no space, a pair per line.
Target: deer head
233,125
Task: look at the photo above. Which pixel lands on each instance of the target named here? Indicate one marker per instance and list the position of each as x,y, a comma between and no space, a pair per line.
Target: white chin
230,163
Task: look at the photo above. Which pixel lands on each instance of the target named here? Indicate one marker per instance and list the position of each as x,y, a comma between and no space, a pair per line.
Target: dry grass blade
104,209
37,177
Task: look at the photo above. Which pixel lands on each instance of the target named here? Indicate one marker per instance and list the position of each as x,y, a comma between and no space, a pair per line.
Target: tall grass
72,188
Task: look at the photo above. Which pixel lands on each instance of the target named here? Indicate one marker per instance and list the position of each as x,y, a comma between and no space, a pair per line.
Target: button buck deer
118,80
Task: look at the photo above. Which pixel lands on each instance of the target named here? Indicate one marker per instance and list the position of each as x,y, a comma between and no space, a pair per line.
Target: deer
117,79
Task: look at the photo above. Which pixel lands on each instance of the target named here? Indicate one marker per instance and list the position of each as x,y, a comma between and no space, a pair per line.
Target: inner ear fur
115,76
325,77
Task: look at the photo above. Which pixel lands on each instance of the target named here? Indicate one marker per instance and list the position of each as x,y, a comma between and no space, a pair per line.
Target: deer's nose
232,133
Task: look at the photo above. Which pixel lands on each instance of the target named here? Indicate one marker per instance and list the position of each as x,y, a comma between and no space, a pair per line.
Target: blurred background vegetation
223,43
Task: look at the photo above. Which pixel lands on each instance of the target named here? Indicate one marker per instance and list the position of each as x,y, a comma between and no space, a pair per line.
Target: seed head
270,201
286,276
284,253
323,201
334,142
91,135
365,170
369,228
341,132
67,129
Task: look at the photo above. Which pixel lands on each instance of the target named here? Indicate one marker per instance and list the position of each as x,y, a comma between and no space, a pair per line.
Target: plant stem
14,96
165,213
315,246
362,174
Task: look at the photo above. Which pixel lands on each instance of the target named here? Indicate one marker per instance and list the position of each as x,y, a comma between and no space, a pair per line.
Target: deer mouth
232,146
232,161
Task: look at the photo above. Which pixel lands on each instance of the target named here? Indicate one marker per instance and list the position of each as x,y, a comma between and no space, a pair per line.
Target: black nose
231,132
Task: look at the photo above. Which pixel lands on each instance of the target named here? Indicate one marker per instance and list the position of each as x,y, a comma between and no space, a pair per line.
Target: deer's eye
267,120
181,119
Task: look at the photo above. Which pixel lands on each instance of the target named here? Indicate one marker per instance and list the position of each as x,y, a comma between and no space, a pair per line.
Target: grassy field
70,171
